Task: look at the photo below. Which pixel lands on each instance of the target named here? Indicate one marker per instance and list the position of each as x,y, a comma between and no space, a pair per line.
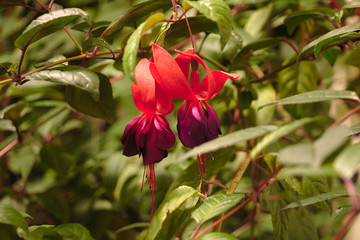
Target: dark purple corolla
149,135
197,120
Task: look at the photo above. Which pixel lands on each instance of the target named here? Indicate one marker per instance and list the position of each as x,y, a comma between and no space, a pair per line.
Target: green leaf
296,18
338,35
352,4
219,12
331,55
277,134
241,59
316,199
75,76
136,14
229,140
215,205
36,232
73,231
14,111
131,226
329,142
132,46
167,220
347,162
315,96
95,42
83,102
178,31
49,23
299,78
10,215
55,203
257,20
301,225
352,57
297,154
4,67
311,186
217,236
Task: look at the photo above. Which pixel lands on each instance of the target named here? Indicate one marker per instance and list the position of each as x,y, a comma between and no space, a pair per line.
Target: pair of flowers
159,81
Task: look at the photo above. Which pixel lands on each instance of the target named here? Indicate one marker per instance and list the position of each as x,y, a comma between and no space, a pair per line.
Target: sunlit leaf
132,46
78,77
83,102
329,142
182,198
347,162
338,35
316,199
35,232
135,14
258,19
230,139
277,134
316,96
73,231
216,236
49,23
219,12
10,215
352,4
95,42
215,205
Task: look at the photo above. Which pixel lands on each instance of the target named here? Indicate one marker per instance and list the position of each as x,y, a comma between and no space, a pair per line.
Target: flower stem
73,38
235,182
219,65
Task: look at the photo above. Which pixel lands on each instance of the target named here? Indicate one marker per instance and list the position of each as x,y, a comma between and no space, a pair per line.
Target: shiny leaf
78,77
219,12
132,46
49,23
215,205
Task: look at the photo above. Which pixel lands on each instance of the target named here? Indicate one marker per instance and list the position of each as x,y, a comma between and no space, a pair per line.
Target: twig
340,234
219,65
22,5
235,182
346,116
73,38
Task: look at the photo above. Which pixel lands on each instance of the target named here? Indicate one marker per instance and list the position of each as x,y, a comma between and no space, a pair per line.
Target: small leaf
297,154
83,102
49,23
36,232
73,231
215,205
277,134
179,31
136,14
219,12
75,76
216,236
14,111
182,199
316,199
131,226
338,35
347,162
10,215
242,57
95,42
229,140
352,4
132,46
4,67
329,142
296,18
257,20
315,96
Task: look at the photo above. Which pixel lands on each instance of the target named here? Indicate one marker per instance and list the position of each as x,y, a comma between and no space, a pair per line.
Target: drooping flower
149,135
197,120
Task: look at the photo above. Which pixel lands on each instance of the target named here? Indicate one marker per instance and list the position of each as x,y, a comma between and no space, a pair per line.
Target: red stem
270,180
346,225
22,5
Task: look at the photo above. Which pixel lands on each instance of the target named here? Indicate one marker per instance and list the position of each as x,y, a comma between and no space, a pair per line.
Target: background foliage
285,167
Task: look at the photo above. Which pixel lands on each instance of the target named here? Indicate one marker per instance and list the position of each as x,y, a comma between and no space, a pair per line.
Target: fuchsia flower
149,134
197,120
